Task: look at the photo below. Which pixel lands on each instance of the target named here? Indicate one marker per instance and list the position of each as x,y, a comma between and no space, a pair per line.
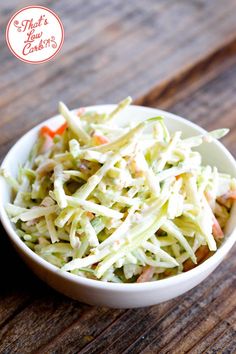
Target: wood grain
213,106
176,55
129,39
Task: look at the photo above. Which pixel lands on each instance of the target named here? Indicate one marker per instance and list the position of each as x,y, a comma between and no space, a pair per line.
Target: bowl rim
94,283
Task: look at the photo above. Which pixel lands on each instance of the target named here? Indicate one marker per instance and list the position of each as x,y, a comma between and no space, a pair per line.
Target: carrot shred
216,228
61,129
227,197
201,254
47,131
90,215
100,139
47,143
80,111
146,275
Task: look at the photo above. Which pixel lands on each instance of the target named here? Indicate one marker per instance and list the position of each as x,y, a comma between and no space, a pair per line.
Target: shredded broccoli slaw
119,204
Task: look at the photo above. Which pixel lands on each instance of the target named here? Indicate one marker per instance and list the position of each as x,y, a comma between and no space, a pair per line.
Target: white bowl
110,294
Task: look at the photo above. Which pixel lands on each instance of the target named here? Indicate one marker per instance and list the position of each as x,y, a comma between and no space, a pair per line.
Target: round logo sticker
35,34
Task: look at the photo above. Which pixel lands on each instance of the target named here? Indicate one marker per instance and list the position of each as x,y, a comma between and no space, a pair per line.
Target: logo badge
35,34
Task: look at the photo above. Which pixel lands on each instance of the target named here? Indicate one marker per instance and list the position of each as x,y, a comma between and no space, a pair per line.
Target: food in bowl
120,204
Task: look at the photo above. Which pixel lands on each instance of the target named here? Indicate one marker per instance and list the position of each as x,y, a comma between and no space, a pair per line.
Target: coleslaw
120,204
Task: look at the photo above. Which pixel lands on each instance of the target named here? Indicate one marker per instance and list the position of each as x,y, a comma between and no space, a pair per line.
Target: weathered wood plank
191,308
213,334
15,280
190,323
219,92
190,79
143,34
11,305
142,323
213,106
227,339
178,55
82,331
90,338
38,323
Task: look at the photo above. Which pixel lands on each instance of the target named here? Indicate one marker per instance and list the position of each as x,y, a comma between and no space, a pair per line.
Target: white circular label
35,34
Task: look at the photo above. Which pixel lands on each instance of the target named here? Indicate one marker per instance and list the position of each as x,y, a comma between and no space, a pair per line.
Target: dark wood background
179,55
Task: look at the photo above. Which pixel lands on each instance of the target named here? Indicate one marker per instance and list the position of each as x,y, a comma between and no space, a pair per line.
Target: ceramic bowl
110,294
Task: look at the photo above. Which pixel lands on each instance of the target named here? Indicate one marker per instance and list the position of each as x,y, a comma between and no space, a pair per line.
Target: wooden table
179,55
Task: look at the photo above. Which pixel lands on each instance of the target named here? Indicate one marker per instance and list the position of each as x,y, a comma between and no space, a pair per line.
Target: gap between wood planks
188,80
214,335
132,69
191,78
